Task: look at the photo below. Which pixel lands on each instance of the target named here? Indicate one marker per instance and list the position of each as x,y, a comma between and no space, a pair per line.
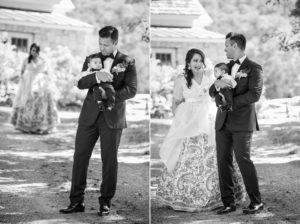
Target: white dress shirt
236,66
107,64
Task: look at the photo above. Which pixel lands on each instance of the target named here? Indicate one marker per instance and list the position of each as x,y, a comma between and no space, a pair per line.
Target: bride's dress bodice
36,67
192,118
197,92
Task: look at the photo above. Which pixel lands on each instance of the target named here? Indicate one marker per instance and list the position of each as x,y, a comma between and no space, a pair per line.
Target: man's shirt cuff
98,81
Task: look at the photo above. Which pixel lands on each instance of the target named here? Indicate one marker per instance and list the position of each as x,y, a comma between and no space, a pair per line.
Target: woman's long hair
188,74
37,47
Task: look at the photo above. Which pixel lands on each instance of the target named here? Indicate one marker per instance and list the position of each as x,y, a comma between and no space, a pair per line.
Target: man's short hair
222,66
237,38
109,32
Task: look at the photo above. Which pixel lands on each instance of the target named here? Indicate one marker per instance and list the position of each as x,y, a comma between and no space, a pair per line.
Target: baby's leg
228,95
110,93
98,91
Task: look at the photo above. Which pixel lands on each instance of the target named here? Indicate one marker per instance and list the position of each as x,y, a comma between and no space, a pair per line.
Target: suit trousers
86,138
228,141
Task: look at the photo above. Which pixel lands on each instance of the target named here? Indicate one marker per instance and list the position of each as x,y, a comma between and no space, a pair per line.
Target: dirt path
35,173
276,152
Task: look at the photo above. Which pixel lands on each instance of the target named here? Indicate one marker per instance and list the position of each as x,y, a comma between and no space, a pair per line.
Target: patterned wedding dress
189,182
34,108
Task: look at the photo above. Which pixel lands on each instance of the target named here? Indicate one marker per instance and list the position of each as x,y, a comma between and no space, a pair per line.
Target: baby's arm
82,74
230,80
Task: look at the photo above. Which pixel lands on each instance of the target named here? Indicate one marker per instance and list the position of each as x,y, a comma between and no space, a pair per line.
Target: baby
95,64
221,73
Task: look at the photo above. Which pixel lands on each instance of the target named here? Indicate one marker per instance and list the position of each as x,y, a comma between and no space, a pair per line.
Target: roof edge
26,10
51,26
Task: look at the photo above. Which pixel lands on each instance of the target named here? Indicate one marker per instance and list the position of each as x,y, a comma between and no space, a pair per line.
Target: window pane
21,43
24,45
169,57
158,56
13,41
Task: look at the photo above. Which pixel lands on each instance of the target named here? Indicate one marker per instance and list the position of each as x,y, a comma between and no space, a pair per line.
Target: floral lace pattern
39,115
193,185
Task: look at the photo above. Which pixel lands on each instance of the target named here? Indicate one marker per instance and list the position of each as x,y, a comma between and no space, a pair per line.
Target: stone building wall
212,50
76,41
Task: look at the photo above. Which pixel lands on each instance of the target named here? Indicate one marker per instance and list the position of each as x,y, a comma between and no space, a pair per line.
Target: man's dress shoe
104,210
73,207
226,209
253,208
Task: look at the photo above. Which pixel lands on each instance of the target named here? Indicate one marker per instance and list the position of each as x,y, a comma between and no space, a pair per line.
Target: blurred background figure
7,54
4,38
34,108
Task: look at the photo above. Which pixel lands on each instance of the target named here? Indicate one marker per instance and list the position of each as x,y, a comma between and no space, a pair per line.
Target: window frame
28,36
170,51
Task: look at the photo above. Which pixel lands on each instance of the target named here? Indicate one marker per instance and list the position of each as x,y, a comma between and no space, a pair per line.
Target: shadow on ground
35,174
276,153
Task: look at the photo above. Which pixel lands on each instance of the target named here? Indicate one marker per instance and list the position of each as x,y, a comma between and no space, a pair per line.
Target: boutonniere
242,74
121,67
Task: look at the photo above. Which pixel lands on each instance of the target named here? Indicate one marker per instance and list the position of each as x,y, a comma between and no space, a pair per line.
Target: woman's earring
189,67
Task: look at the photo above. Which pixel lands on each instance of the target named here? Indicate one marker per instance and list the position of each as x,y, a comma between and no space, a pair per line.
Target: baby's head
95,62
220,69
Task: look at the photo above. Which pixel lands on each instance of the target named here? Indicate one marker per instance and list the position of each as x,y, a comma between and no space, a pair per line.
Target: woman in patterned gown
189,182
34,107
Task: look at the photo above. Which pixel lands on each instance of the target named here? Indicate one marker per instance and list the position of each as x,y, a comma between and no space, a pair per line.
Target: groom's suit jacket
247,91
125,85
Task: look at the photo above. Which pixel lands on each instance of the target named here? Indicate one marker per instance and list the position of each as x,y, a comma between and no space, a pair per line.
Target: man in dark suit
234,129
107,124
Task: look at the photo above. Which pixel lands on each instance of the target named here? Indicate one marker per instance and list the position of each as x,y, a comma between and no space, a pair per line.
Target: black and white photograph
74,111
225,111
149,111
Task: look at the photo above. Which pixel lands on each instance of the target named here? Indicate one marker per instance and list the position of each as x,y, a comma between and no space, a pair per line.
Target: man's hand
223,99
221,84
104,95
104,76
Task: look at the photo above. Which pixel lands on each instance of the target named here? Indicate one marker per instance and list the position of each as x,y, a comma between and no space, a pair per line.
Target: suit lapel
116,60
243,66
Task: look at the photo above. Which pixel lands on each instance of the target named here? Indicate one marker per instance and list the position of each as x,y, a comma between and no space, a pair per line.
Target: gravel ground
35,174
276,153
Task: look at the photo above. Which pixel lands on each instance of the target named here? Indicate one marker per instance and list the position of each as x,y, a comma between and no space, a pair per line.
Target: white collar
242,59
115,52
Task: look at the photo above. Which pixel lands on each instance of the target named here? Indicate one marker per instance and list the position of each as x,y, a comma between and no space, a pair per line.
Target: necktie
103,57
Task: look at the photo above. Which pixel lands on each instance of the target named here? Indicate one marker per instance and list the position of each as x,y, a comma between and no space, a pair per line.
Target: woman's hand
175,104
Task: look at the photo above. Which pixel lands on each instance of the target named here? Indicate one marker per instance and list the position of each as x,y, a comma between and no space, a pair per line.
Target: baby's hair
222,66
93,56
